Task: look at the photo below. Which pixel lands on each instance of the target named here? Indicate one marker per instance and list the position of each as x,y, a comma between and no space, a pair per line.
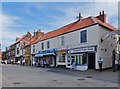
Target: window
17,50
42,45
83,36
119,40
33,48
62,58
62,40
79,59
48,44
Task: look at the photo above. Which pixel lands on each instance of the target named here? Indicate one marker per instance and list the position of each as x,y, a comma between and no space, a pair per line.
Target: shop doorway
91,60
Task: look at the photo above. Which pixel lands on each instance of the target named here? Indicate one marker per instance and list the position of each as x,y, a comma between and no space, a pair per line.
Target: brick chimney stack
102,17
17,38
38,33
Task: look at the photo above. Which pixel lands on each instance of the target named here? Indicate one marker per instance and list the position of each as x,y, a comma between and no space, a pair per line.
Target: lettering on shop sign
87,49
47,51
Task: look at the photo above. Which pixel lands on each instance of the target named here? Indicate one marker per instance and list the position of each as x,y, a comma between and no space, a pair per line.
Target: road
27,76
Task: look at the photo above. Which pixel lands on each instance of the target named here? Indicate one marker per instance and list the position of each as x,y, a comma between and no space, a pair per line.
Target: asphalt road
27,76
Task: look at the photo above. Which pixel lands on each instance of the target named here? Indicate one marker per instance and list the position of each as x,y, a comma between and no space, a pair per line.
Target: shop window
33,48
79,59
48,44
62,58
62,40
42,46
83,36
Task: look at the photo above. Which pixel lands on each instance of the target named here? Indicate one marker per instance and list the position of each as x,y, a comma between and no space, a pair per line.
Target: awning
41,55
38,55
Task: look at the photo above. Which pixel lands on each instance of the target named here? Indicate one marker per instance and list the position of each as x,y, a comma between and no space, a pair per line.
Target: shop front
46,56
84,58
61,57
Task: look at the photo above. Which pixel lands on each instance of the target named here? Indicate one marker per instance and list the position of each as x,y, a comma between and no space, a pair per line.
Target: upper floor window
119,40
42,45
83,36
62,40
17,50
48,44
33,48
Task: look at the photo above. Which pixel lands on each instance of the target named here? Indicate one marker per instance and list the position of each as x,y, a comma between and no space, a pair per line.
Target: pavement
28,76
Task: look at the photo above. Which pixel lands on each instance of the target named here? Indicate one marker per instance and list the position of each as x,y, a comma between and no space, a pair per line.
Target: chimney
39,33
80,17
102,17
17,38
29,34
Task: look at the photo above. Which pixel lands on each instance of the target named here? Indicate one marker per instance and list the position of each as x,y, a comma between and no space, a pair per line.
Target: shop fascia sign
86,49
47,51
62,48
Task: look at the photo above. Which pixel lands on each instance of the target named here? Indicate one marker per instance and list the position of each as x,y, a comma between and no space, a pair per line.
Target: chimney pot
103,12
80,17
100,13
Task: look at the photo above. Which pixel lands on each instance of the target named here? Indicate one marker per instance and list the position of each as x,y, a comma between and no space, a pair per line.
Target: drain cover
16,83
88,76
54,80
81,79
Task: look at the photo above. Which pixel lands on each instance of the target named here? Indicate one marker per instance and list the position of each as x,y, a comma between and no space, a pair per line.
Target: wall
109,44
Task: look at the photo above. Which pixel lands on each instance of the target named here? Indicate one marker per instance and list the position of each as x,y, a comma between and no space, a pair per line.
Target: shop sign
47,51
86,49
61,52
62,48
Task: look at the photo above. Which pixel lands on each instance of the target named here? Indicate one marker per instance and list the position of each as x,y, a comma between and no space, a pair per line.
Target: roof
105,25
89,21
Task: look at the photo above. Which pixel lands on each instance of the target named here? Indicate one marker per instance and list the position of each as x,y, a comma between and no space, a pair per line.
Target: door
91,60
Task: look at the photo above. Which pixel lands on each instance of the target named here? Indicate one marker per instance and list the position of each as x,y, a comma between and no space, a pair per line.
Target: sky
18,18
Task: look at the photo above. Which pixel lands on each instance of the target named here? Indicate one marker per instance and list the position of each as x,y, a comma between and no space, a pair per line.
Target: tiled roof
105,25
77,25
89,21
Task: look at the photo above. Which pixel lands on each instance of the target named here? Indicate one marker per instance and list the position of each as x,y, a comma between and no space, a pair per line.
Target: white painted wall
106,44
17,46
94,33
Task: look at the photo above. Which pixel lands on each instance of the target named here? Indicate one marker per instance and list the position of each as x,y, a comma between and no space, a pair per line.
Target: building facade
79,42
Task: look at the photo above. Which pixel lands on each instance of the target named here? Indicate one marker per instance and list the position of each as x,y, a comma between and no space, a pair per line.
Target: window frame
83,36
62,40
48,44
42,45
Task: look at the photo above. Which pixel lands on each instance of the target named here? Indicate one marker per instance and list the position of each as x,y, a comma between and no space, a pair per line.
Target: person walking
116,65
100,62
23,62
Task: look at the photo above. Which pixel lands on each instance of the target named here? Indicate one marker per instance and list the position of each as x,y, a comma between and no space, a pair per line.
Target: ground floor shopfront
84,58
48,57
61,57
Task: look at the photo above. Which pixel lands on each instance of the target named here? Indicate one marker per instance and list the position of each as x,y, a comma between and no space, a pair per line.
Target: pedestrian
12,62
116,65
33,62
100,62
73,64
45,64
23,62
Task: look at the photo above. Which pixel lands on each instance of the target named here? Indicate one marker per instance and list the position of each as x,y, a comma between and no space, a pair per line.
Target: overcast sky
20,17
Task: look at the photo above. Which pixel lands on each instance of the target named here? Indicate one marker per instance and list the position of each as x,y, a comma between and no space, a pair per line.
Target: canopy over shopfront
42,53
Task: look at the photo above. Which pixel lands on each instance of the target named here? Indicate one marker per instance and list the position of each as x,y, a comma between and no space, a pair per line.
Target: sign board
85,49
47,51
